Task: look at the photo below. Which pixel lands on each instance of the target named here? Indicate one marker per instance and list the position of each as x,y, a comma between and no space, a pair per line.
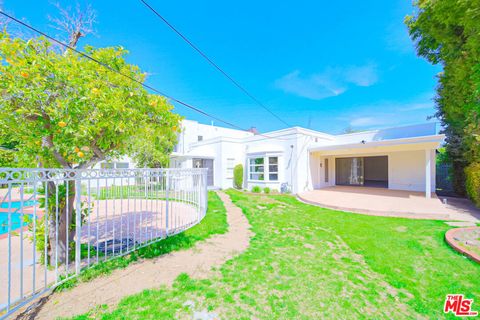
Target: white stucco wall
406,170
300,162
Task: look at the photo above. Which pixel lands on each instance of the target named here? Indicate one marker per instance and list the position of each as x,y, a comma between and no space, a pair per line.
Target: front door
205,163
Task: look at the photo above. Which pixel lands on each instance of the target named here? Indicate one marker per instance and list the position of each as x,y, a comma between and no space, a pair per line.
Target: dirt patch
150,274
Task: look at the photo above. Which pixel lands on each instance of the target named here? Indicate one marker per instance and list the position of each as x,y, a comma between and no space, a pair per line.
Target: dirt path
149,274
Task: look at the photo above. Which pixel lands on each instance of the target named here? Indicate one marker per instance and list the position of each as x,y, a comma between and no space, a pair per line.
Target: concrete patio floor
395,203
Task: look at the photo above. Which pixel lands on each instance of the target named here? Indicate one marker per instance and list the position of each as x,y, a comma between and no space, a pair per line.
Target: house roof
434,140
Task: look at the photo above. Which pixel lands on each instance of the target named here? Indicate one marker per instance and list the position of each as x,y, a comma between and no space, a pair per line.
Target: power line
216,66
198,110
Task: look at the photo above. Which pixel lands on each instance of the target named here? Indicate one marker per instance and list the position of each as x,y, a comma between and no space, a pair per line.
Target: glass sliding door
349,171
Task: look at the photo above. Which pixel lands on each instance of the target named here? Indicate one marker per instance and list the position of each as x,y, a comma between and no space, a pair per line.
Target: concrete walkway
150,274
394,203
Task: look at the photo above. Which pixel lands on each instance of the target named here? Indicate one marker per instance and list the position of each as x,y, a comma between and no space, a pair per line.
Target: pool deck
109,219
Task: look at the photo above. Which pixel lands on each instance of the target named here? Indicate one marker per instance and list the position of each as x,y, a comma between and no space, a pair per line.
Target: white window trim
266,168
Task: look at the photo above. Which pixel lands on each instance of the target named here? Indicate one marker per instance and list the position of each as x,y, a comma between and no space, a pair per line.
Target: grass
215,222
305,262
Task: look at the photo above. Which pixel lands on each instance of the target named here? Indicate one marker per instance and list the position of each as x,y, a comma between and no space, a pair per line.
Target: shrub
266,190
472,182
256,189
238,176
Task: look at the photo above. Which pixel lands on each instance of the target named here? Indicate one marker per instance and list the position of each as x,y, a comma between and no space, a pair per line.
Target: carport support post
428,174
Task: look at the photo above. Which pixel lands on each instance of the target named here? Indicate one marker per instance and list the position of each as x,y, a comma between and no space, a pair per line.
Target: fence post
205,182
167,187
78,223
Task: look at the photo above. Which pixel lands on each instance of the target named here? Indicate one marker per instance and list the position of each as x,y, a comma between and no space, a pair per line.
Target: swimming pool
17,204
16,216
16,221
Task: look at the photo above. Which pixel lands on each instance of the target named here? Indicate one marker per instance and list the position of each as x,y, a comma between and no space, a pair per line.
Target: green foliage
303,257
472,183
67,111
447,32
215,222
266,190
64,110
442,156
7,159
238,176
256,189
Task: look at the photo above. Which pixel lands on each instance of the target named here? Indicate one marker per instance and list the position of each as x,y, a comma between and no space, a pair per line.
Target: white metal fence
55,222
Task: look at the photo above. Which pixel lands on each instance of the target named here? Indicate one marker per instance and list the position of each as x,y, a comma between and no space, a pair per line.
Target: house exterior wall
406,169
300,166
191,130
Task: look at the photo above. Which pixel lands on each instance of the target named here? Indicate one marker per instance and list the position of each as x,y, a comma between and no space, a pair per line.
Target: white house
300,159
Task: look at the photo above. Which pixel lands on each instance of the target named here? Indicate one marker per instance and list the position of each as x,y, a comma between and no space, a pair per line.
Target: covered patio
395,203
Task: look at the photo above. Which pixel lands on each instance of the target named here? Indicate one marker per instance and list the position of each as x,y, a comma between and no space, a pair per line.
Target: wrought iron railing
55,222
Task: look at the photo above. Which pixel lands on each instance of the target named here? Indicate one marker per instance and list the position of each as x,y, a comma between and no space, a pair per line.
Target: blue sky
324,65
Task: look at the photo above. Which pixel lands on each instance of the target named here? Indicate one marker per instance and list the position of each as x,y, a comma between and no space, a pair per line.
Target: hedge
472,182
238,176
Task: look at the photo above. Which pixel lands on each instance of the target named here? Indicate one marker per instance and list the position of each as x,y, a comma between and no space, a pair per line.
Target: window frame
266,168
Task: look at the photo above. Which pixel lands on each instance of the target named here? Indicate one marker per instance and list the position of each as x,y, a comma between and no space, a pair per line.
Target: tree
69,112
75,23
152,150
448,33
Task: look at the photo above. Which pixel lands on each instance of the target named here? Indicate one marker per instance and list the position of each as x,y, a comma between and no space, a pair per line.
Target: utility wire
216,66
198,110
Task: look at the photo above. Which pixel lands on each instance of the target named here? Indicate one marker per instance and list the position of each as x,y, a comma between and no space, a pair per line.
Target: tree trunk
61,233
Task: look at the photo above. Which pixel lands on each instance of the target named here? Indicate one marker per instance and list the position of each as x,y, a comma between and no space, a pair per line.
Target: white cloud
315,87
365,121
363,76
390,113
331,82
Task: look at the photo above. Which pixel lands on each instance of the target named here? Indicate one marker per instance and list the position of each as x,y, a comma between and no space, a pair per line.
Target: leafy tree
152,149
67,111
447,32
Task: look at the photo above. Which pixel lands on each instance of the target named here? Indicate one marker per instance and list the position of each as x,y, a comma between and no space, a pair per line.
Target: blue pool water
16,222
16,216
17,204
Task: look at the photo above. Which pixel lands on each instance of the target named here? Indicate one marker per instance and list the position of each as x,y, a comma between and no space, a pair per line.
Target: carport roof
433,141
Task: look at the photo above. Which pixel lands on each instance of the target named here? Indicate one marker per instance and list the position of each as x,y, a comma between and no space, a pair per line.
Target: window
257,169
200,138
121,165
107,165
230,166
273,168
326,170
264,168
113,165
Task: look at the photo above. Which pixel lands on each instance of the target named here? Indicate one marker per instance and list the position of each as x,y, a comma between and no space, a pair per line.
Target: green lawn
305,262
215,222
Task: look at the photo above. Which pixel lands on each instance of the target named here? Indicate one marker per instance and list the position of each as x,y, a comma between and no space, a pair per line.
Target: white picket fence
44,242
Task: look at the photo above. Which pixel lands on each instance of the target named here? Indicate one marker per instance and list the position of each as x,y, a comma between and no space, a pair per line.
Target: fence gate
444,184
55,222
